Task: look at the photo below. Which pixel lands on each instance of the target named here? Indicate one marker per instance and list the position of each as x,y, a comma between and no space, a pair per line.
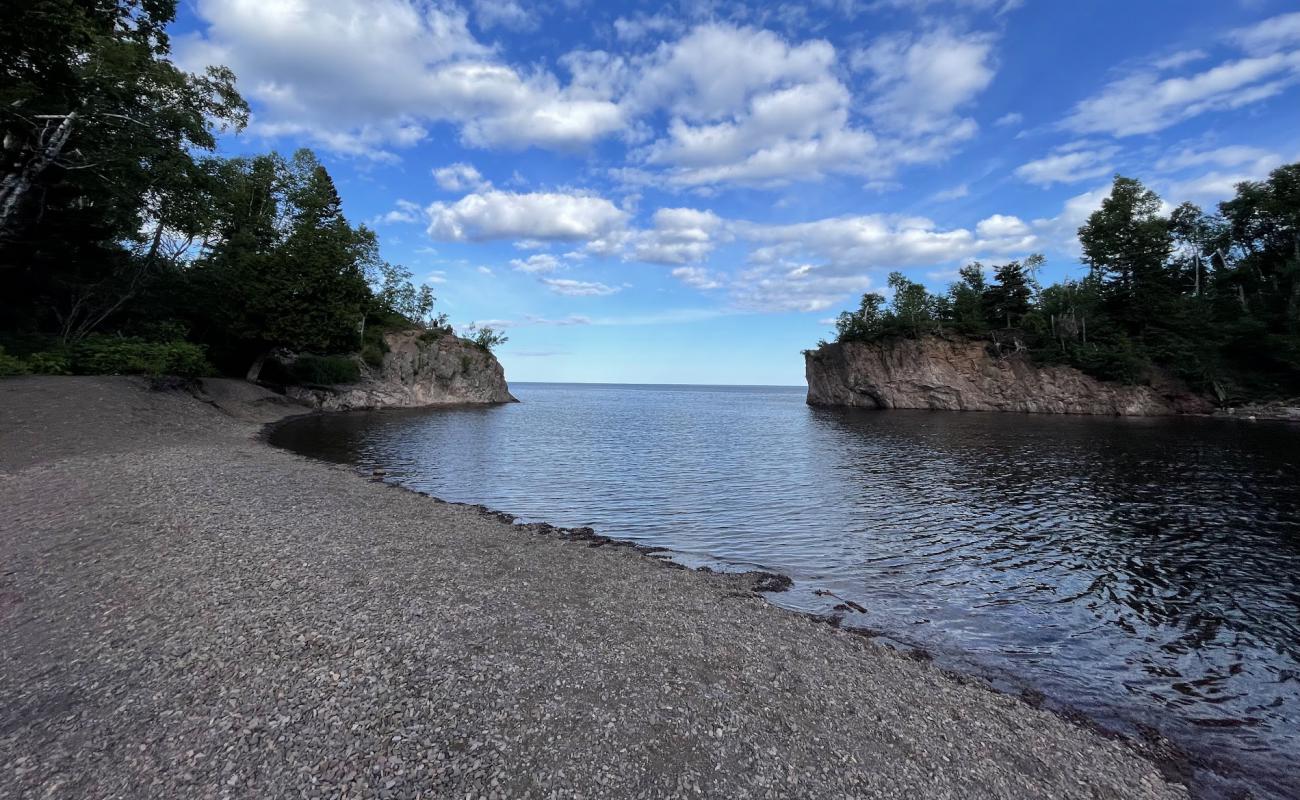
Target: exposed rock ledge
962,374
418,372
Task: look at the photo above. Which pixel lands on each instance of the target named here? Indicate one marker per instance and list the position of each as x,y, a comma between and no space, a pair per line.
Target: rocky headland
420,368
965,374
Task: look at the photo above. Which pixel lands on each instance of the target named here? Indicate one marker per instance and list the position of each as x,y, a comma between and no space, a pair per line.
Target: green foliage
486,337
863,325
12,365
373,355
1214,299
324,370
101,129
112,355
113,219
47,363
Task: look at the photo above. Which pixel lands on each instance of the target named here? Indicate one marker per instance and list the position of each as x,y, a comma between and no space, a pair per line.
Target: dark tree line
1211,297
121,232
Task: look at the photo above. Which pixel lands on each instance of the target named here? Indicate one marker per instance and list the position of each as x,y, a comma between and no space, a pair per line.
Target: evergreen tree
1008,300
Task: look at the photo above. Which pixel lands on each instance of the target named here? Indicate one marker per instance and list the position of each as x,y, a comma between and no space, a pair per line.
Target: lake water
1145,572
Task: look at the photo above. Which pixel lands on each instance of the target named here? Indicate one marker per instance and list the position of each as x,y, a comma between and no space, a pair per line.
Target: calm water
1145,572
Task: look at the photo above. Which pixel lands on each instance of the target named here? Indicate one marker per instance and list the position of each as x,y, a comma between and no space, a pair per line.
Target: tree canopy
115,217
1212,297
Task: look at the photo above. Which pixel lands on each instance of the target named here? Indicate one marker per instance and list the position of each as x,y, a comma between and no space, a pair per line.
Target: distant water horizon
1142,571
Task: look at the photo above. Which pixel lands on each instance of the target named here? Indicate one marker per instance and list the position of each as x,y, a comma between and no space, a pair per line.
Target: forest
1213,298
128,246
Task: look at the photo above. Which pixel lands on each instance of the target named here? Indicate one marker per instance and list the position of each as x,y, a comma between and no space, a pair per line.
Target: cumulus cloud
1069,164
365,76
573,288
546,216
679,236
811,266
460,177
922,80
539,262
698,277
748,107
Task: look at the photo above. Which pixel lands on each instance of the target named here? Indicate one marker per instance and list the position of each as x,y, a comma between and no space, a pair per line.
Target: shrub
107,355
46,363
12,365
373,355
324,370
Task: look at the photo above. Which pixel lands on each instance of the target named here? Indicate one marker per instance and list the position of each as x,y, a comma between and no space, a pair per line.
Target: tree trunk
18,183
255,371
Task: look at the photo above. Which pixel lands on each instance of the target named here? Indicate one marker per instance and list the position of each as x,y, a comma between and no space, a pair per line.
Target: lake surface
1143,571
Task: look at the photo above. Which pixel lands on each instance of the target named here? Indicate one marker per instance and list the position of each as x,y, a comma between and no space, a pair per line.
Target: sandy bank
185,611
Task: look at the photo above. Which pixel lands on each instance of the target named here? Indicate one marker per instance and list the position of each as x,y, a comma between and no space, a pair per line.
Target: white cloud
698,277
539,262
1069,164
504,13
951,193
747,107
679,236
1269,35
1227,156
1148,100
645,26
1179,59
1000,226
404,212
547,216
572,288
364,76
922,80
460,177
1007,120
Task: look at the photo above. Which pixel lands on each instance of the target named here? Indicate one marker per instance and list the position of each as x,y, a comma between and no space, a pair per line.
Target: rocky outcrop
962,374
419,369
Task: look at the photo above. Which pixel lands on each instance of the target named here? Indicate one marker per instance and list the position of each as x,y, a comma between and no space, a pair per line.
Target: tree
1007,301
486,337
966,300
99,130
1127,243
863,325
913,306
286,269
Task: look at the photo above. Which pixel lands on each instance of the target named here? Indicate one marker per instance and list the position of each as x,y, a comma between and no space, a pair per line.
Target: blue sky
687,193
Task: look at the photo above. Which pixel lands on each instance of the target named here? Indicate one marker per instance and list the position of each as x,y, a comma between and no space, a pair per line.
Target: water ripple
1143,571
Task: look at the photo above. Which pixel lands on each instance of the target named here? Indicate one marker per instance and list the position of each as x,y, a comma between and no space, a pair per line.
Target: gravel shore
188,612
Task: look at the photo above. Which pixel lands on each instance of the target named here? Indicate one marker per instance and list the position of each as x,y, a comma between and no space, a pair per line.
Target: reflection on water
1142,571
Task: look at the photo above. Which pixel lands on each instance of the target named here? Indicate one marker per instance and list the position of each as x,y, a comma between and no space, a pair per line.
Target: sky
689,193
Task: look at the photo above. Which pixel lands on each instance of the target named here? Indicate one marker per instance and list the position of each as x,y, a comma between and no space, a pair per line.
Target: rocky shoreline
185,611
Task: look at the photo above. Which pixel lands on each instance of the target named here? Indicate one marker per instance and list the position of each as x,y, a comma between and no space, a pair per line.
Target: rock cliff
418,370
964,375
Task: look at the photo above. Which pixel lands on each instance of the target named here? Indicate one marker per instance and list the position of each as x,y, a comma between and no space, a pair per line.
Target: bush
107,355
46,363
373,355
12,365
324,370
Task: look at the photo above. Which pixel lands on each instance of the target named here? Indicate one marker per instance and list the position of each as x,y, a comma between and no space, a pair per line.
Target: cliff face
962,375
415,373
